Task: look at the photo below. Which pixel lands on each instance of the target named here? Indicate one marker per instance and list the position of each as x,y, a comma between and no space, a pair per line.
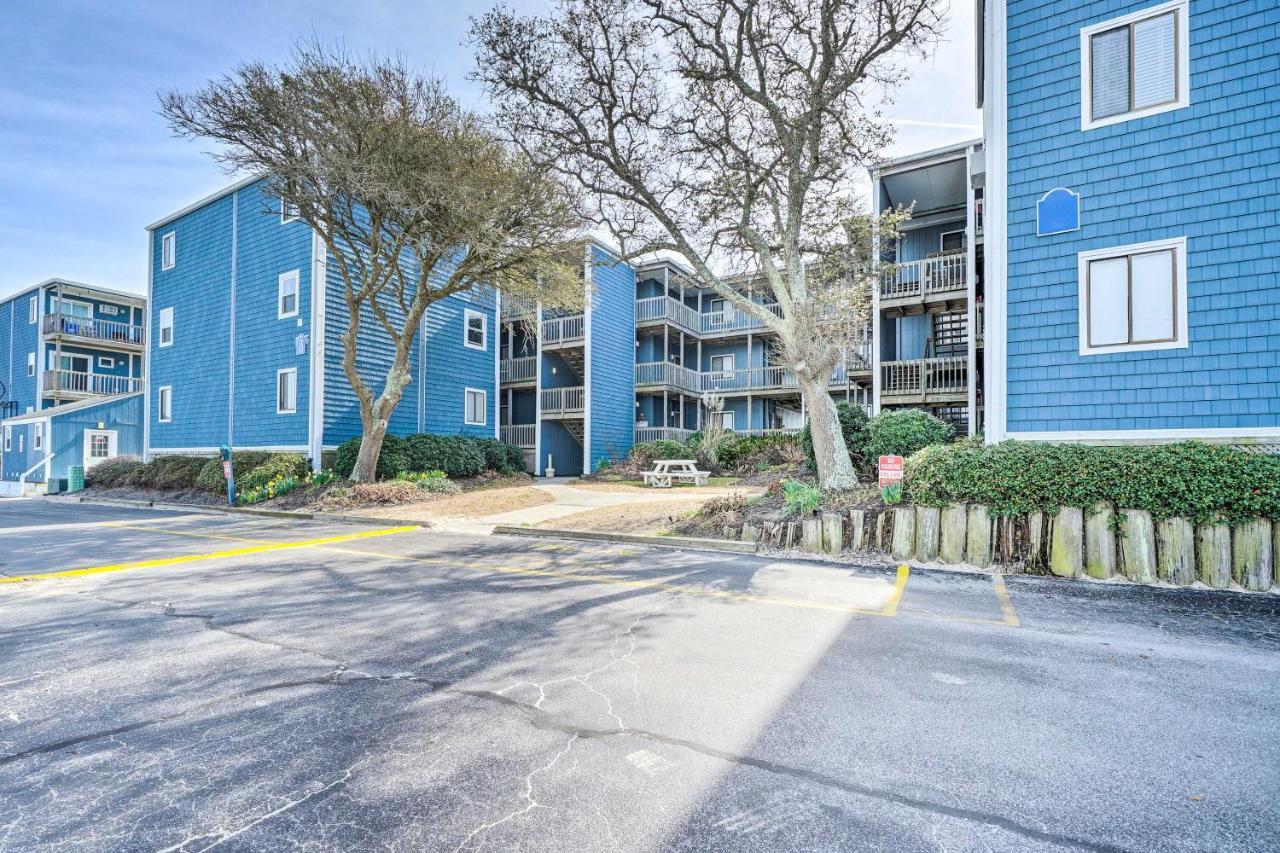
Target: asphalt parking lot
180,681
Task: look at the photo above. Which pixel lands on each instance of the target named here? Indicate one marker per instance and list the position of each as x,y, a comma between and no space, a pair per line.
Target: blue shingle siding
450,367
611,350
1209,172
123,415
21,338
196,366
21,455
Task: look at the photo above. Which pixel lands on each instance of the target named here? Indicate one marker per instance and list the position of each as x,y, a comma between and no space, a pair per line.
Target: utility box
75,478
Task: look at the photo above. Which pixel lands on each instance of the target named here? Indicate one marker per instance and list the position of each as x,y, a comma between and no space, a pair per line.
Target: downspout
315,402
588,310
231,338
147,312
57,346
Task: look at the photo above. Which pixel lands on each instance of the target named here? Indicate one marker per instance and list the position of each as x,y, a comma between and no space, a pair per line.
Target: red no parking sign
890,470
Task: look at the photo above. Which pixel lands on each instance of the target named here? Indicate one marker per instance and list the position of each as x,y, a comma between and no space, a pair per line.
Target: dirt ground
481,502
649,519
716,486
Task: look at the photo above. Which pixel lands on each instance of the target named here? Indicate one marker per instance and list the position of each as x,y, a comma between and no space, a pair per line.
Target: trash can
56,486
75,478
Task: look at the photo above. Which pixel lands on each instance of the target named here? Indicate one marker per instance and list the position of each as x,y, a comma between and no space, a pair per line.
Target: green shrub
277,466
435,482
902,432
854,425
393,457
211,479
273,488
168,473
456,455
800,498
114,472
1200,482
500,456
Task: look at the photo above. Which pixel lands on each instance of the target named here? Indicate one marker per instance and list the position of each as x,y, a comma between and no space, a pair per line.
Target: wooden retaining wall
1071,543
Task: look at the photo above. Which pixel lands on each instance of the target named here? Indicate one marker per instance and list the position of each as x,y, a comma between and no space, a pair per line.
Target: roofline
109,291
924,158
55,411
196,205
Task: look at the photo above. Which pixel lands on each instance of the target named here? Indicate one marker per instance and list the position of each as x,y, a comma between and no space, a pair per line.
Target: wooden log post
750,533
1066,543
1138,547
832,532
1213,555
978,536
857,529
792,536
1251,555
904,532
928,520
1176,551
1099,543
1275,553
730,532
811,535
1035,540
954,523
884,530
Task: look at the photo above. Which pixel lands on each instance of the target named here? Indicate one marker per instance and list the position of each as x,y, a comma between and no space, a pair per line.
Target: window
1134,66
99,445
477,331
287,304
33,309
288,212
476,407
726,419
164,404
952,241
1133,297
37,436
168,251
166,327
8,439
79,310
287,391
717,306
721,363
106,361
31,364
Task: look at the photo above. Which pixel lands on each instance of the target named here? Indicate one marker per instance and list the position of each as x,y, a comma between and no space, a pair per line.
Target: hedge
1200,482
902,432
500,455
854,423
279,466
456,455
211,478
113,472
393,457
168,473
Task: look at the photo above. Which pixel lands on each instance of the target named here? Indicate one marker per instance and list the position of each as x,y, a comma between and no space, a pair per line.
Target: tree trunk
835,471
376,418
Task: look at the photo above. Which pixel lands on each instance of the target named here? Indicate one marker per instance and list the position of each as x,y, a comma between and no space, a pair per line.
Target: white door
99,446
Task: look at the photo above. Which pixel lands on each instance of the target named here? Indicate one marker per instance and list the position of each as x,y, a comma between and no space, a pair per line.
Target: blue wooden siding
21,338
612,353
1209,172
196,366
919,243
64,436
449,367
564,449
21,454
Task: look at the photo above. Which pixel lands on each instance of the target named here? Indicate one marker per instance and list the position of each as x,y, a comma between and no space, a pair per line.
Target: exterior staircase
574,428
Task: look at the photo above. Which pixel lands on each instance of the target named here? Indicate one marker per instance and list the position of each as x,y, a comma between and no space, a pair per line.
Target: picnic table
666,470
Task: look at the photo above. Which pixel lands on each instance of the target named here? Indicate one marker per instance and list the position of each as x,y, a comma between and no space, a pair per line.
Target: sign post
229,475
890,468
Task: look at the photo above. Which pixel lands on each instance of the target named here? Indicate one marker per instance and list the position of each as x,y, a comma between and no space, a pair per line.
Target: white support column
971,292
994,212
875,301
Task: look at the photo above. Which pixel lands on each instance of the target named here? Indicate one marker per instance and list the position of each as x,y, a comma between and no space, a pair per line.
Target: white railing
110,331
563,330
95,384
644,435
672,375
664,308
518,369
770,431
521,435
564,401
733,319
514,309
944,273
925,376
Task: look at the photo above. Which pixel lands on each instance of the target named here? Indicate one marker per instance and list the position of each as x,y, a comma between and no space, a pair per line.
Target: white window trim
106,361
165,314
467,314
288,212
161,392
1183,71
31,364
484,406
1181,339
33,309
731,416
279,374
169,250
726,358
942,239
37,436
8,439
296,277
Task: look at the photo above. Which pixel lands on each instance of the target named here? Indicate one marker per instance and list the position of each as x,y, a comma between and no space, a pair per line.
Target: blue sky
86,163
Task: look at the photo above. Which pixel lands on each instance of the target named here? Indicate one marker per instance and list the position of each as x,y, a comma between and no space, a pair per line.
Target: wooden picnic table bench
665,471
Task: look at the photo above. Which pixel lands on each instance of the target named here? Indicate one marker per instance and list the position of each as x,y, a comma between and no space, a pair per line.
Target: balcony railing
72,383
644,435
521,435
925,377
109,331
944,273
515,309
562,401
773,378
512,370
564,330
664,308
733,319
671,375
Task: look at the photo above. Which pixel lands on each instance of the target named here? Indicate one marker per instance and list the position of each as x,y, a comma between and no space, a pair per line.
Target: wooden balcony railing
564,330
644,435
944,273
660,308
664,373
515,309
733,319
924,377
521,435
512,370
72,383
562,401
109,331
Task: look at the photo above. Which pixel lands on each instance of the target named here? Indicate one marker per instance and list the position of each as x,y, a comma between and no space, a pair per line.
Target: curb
726,545
266,513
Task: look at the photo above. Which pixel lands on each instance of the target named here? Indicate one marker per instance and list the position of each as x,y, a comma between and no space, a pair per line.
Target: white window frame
31,364
164,404
467,316
288,212
33,309
730,416
113,446
731,361
292,372
712,309
484,406
1181,339
294,276
37,435
1182,73
166,322
169,250
8,439
107,361
942,239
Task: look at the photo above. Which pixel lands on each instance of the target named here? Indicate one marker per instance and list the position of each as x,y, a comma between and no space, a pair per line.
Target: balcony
562,402
925,380
110,333
567,331
644,435
518,371
659,374
932,279
516,309
664,309
654,376
521,435
72,385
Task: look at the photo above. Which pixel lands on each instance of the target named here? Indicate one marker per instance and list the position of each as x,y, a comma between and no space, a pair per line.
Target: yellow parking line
1006,603
191,558
891,606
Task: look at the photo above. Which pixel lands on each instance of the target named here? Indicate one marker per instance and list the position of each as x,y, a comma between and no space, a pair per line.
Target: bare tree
414,199
732,132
